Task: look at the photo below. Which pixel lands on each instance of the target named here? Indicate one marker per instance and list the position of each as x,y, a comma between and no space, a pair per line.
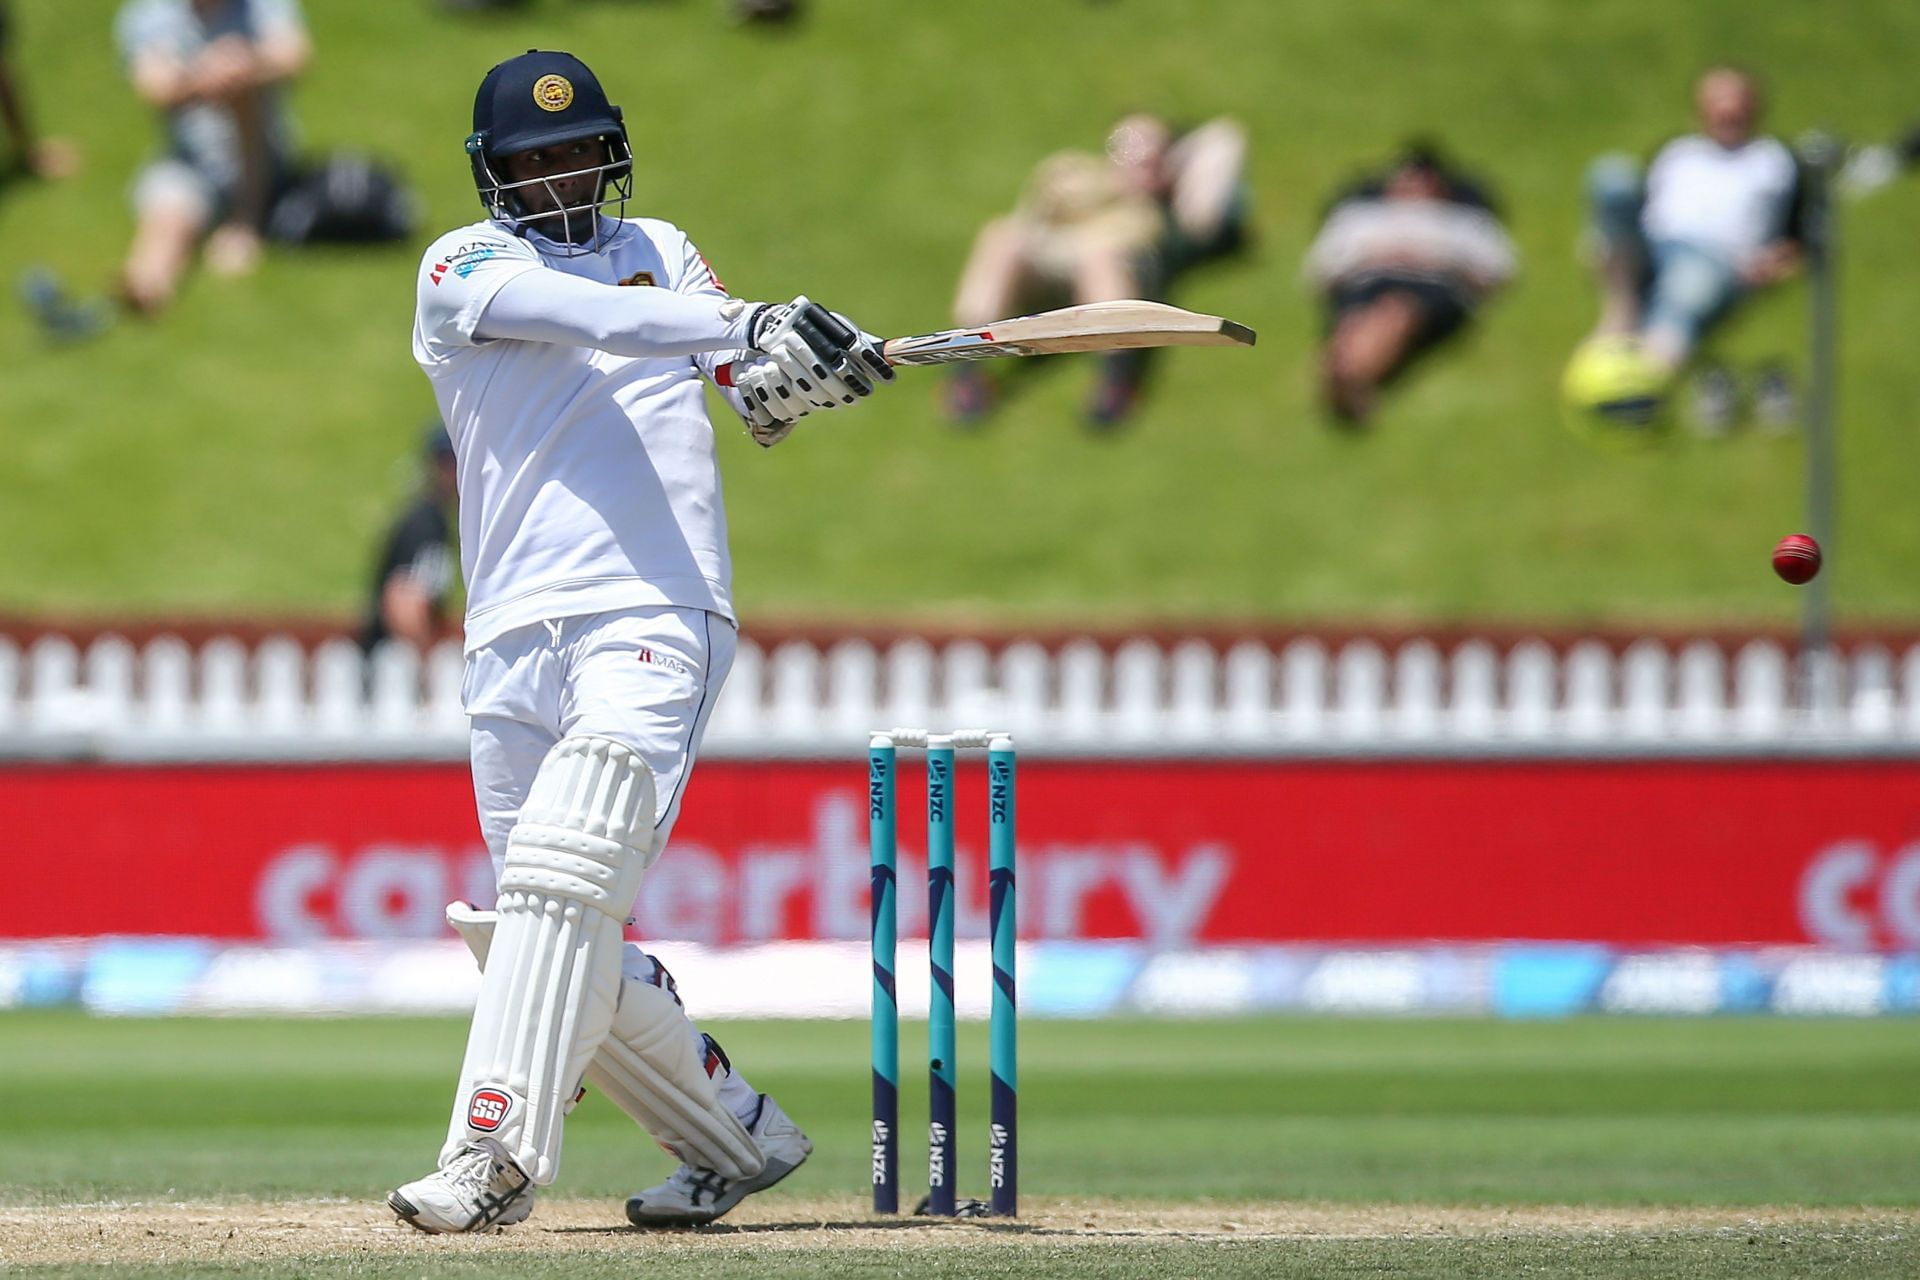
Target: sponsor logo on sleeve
465,260
639,278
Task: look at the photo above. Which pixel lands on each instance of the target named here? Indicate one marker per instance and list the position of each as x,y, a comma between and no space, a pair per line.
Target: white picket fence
276,700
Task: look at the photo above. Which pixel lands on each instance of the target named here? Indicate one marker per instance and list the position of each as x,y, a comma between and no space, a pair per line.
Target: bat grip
832,326
844,334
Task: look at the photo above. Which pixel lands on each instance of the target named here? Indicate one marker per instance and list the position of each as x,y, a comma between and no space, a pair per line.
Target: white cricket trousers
646,677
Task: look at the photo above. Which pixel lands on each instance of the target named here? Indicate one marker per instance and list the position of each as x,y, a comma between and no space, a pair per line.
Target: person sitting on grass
1402,261
216,70
1714,219
1092,228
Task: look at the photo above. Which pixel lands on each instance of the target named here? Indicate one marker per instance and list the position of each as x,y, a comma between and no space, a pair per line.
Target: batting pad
547,996
652,1065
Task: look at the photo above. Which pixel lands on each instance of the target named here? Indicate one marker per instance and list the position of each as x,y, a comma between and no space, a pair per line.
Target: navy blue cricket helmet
544,98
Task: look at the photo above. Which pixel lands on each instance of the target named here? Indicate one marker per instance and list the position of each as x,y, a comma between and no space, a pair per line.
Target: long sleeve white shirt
573,390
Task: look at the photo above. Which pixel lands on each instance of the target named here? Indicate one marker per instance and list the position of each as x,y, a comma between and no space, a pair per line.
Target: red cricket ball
1796,558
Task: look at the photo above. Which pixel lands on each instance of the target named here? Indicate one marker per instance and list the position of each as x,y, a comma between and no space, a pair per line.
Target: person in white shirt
1714,217
566,346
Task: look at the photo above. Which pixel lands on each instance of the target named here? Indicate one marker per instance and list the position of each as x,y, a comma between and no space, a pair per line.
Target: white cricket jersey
1734,200
588,479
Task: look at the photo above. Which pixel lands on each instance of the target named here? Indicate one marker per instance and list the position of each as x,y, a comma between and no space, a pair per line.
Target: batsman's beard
571,221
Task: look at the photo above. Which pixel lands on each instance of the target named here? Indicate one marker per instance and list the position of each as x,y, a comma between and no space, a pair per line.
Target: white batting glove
769,400
811,358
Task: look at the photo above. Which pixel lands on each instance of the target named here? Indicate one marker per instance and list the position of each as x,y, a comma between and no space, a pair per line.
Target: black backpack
343,198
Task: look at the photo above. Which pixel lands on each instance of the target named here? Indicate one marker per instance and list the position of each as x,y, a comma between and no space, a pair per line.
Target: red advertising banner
1175,852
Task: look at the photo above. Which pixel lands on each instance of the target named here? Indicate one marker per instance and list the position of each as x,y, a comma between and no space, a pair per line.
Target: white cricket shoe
693,1197
479,1188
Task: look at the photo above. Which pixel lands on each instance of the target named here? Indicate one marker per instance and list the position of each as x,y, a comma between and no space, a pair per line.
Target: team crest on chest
641,278
553,93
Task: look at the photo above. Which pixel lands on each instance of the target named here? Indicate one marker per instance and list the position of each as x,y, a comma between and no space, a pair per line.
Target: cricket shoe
693,1197
479,1188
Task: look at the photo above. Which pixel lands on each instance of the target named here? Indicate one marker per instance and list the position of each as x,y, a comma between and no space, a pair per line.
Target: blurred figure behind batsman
1093,228
1402,261
414,580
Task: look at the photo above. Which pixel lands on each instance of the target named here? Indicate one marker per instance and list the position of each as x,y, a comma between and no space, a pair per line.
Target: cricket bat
1096,326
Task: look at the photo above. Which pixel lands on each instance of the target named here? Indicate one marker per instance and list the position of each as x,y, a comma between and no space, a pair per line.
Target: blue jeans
1685,288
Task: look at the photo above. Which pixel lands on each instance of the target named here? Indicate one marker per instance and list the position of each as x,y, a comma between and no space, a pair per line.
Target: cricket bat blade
1096,326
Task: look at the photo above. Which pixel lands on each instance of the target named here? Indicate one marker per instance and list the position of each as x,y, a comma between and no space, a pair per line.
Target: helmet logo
553,93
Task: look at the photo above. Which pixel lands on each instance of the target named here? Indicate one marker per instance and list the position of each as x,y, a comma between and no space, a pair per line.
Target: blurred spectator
1198,178
1402,261
1091,229
414,580
742,11
1871,167
32,155
1715,217
217,71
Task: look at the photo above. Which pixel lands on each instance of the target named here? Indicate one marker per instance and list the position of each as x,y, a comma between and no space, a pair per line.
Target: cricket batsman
566,344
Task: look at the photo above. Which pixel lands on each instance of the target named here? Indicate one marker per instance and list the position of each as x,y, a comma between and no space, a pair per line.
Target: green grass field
242,453
1693,1147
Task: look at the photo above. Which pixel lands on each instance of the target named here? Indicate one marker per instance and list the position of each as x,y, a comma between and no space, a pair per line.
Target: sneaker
1775,407
1716,401
479,1188
1112,403
693,1197
61,319
1116,391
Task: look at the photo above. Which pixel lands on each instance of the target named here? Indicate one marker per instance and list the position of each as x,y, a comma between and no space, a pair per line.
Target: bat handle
844,333
832,326
725,374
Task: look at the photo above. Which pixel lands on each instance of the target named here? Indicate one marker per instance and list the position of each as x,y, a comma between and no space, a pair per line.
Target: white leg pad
547,996
654,1067
651,1067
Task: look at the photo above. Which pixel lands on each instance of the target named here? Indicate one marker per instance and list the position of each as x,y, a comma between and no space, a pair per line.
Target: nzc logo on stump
487,1109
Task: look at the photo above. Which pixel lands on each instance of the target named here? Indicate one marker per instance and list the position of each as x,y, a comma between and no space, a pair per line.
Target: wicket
1003,1153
